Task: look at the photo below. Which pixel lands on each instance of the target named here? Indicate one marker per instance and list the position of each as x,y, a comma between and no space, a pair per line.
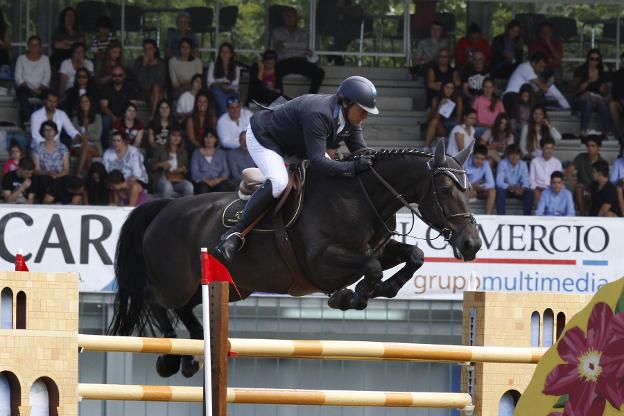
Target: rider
303,127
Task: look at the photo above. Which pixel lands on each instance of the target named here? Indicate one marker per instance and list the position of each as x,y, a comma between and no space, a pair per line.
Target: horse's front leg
396,253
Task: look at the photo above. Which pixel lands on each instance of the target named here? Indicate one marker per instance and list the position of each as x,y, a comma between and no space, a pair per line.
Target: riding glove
362,163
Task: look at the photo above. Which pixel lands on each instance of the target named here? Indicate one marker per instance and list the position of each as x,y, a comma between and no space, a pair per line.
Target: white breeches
270,164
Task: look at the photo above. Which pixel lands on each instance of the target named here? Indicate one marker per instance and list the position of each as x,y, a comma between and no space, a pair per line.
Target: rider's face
356,115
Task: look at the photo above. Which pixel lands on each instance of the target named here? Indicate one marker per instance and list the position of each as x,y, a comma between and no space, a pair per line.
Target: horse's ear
462,156
440,153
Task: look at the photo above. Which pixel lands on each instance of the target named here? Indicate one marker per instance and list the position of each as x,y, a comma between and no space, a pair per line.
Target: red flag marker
20,264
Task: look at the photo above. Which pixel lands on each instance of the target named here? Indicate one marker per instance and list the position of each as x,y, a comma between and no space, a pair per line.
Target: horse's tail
131,304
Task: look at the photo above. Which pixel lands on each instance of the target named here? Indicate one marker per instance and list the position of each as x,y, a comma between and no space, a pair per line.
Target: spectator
582,165
604,198
186,102
201,120
488,106
49,112
466,46
5,46
616,105
126,159
68,190
231,124
439,74
96,186
427,50
507,52
103,38
472,76
342,20
32,76
130,127
209,167
591,91
525,109
534,131
446,112
51,160
552,48
17,184
89,123
83,85
124,192
170,165
150,72
113,56
239,159
556,200
223,77
542,167
512,181
498,138
64,36
67,71
462,134
15,155
294,56
264,84
528,72
617,178
114,100
158,128
481,179
174,36
182,68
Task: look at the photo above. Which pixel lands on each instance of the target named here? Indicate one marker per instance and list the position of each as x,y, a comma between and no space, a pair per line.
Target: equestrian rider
303,127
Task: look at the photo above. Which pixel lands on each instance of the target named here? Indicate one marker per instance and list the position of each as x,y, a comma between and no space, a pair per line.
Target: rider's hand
362,163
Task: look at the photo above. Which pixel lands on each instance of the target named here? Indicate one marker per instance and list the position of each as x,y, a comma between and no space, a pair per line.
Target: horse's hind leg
166,365
396,253
190,365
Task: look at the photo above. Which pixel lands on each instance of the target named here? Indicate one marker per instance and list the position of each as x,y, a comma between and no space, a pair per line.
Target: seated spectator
466,46
125,192
543,166
174,36
32,76
529,73
446,112
209,168
488,106
68,190
582,166
507,51
64,36
67,71
51,113
96,186
525,109
472,76
551,47
427,50
555,200
126,159
15,155
604,198
294,56
231,124
89,123
534,131
264,84
439,74
130,127
5,46
114,99
182,67
481,180
151,74
17,184
186,102
51,160
342,20
498,138
103,38
170,165
83,85
512,181
201,120
239,159
617,178
112,57
462,134
592,91
616,105
158,128
223,78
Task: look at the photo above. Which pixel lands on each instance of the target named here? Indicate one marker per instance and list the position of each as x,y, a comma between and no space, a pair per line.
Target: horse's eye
447,190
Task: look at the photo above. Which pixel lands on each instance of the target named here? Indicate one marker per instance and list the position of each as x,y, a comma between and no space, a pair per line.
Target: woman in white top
537,128
183,67
186,102
462,134
223,77
69,66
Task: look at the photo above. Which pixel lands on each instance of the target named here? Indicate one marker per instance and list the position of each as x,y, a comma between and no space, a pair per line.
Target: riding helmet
360,91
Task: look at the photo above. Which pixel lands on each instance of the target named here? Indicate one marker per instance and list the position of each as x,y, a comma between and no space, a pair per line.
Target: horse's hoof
190,366
358,302
168,365
341,299
385,290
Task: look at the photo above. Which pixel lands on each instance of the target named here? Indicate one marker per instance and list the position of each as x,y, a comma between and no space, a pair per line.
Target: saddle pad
291,210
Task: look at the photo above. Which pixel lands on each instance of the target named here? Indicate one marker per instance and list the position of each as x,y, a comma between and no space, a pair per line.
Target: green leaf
561,402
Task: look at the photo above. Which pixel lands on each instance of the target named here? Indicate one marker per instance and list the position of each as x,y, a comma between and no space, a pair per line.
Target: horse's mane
385,154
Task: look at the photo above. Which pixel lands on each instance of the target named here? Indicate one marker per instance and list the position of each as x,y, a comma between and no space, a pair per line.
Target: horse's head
446,207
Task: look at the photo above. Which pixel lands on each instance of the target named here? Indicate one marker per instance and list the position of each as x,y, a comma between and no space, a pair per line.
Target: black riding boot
232,241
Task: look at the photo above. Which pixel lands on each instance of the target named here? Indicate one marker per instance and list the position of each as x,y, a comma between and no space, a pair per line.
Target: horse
342,236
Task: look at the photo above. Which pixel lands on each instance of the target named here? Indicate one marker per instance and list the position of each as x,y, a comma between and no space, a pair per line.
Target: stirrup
236,234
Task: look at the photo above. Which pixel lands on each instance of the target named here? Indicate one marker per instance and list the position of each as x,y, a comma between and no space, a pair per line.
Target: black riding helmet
360,91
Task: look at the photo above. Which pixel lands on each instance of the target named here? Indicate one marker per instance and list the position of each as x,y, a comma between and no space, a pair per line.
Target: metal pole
123,22
217,23
618,31
312,40
407,33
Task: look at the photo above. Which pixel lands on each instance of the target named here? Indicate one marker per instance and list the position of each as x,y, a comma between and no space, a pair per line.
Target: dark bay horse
342,236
